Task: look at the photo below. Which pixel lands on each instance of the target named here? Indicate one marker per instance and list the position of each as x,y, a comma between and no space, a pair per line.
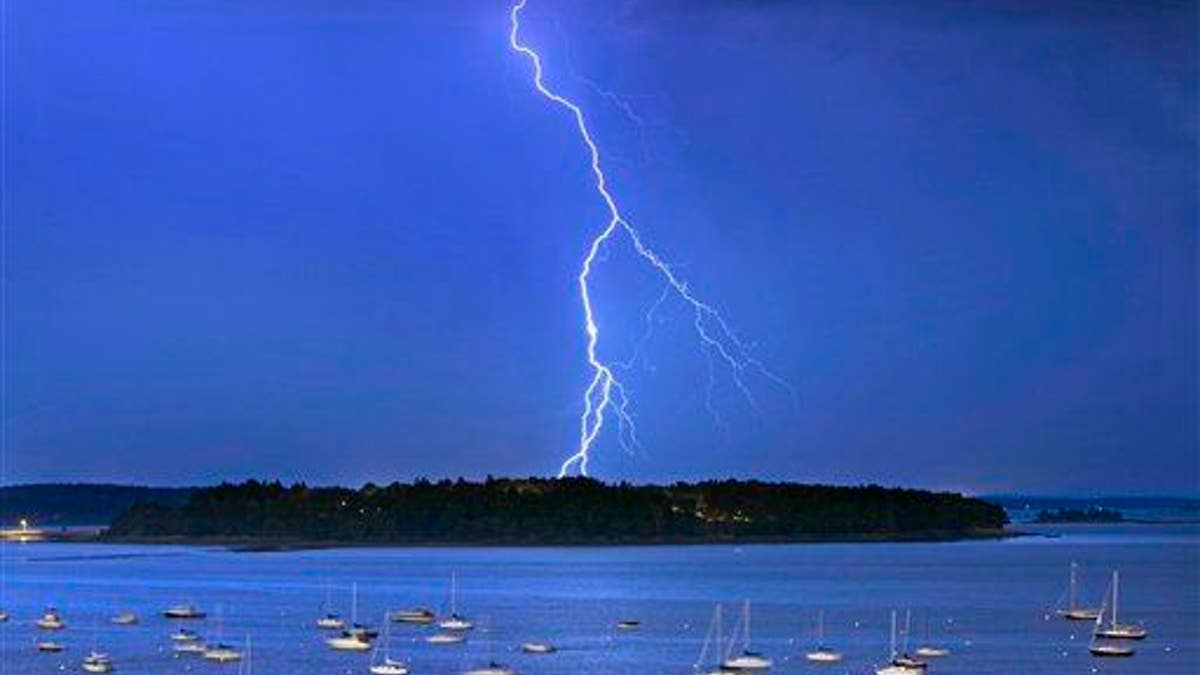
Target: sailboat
899,664
1116,630
330,620
125,619
929,650
1073,611
221,652
356,638
455,622
822,654
97,662
1107,647
712,639
357,628
747,659
386,665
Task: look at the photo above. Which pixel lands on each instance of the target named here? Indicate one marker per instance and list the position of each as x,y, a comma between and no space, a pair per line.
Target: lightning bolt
606,394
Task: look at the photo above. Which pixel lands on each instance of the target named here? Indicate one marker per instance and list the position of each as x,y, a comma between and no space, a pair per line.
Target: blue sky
338,241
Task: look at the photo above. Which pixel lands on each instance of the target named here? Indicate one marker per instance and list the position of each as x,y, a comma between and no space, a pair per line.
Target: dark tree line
569,511
52,504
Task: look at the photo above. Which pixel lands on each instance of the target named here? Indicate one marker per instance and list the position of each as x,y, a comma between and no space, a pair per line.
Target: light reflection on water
987,601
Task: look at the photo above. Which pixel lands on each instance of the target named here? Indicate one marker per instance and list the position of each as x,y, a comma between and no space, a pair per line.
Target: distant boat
97,662
349,642
50,647
51,620
1116,630
3,616
928,650
186,611
420,615
220,652
745,658
1073,611
185,635
491,668
357,629
382,662
330,620
538,648
899,664
822,654
444,639
454,621
629,624
125,619
189,648
1107,648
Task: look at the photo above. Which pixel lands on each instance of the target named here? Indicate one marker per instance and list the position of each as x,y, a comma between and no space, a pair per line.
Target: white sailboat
330,620
929,650
382,662
1073,611
454,621
1107,648
97,662
745,659
822,654
899,664
356,628
1115,630
221,652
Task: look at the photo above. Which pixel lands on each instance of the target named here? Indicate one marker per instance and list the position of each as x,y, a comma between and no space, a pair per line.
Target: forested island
64,504
1093,514
537,511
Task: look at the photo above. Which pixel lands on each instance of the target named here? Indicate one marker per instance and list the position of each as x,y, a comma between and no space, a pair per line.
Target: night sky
337,241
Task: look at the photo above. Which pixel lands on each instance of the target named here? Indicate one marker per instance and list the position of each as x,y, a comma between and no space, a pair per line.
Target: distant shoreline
264,544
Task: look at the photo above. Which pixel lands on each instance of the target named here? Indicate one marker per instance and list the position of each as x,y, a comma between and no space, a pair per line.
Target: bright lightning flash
605,393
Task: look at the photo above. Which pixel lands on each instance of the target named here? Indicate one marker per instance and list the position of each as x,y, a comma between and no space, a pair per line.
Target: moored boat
51,620
97,662
184,612
745,658
418,615
822,653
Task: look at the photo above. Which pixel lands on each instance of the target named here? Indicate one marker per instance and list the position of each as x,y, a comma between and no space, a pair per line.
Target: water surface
987,601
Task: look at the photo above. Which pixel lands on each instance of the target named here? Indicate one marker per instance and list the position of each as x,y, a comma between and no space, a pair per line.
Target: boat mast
1071,594
746,641
893,656
907,627
820,627
453,593
1116,586
354,602
713,637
